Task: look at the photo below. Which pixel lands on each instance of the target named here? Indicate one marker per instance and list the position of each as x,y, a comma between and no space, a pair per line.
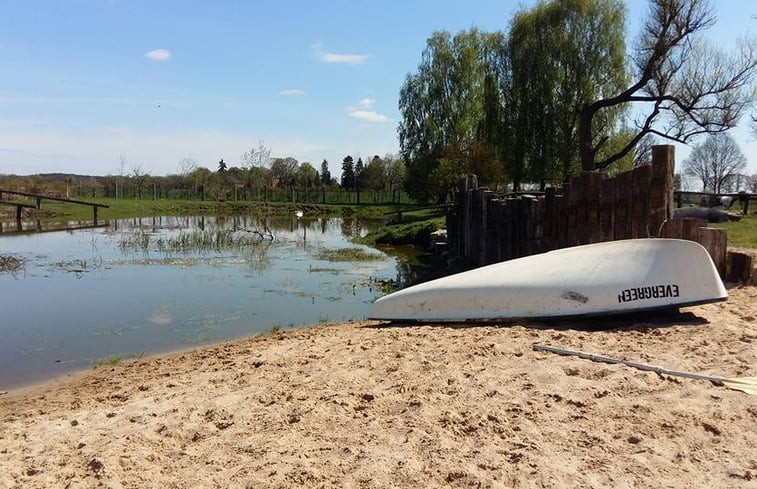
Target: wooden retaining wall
484,228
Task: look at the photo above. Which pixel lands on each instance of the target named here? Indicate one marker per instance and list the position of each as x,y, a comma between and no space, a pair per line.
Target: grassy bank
741,233
412,228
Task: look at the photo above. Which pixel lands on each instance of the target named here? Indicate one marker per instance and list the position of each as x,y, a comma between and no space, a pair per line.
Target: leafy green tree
563,53
374,174
258,177
200,177
359,169
348,173
306,175
284,170
474,157
257,161
325,173
442,104
394,171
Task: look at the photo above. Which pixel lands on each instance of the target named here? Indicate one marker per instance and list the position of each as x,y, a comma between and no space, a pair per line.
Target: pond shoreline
382,405
157,284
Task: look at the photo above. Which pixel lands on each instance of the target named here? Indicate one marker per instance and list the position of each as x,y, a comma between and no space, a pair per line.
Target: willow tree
564,54
442,105
682,86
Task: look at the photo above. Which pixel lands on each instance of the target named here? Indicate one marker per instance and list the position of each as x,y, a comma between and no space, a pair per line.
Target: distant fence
317,195
592,207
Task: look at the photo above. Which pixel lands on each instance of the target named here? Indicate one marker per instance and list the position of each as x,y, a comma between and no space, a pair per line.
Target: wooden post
487,231
94,211
642,179
574,219
622,210
661,189
715,242
672,228
537,220
548,217
591,201
563,203
608,195
690,228
738,267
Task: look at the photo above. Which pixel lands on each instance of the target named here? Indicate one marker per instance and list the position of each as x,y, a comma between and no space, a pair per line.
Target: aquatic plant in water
207,240
10,264
347,254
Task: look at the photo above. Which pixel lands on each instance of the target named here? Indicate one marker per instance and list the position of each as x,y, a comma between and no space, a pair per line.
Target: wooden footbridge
20,205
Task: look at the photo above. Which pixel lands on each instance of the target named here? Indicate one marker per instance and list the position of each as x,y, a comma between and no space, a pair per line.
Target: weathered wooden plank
690,228
549,219
488,228
642,179
672,228
608,195
715,242
574,219
622,208
537,217
563,217
592,195
661,187
739,266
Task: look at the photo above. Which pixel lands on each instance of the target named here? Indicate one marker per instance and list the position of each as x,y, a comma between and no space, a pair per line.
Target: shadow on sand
639,321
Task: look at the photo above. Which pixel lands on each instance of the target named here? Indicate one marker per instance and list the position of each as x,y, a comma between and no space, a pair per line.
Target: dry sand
367,405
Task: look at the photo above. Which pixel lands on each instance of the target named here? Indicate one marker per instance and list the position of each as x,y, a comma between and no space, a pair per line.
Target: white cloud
364,111
292,91
326,57
368,115
158,55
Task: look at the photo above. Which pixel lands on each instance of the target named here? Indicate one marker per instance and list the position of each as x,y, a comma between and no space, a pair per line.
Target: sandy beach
377,405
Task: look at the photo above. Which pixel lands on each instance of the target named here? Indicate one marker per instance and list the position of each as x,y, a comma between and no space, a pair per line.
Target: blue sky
83,82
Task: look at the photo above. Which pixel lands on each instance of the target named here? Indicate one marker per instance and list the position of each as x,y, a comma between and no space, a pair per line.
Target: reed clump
194,241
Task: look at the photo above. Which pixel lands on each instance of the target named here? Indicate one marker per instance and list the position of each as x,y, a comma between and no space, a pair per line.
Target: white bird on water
299,214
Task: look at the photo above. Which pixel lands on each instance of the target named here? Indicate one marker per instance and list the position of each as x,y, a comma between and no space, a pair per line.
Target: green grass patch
411,234
741,233
411,228
348,255
109,361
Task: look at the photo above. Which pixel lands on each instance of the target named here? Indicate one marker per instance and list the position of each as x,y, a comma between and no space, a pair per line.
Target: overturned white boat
603,278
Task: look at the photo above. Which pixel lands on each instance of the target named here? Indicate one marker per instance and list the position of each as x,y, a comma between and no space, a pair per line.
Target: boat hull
613,277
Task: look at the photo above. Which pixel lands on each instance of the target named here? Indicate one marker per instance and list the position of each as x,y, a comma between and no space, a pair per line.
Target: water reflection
162,283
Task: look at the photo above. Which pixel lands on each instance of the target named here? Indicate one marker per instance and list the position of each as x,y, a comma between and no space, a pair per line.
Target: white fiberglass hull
603,278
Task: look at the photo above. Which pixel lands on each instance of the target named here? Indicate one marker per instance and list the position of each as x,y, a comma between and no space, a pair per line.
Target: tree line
255,176
557,93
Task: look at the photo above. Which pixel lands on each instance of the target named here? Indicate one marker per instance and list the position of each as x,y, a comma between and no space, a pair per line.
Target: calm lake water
142,286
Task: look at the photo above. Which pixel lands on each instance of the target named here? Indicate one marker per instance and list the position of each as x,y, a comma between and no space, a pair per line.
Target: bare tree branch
694,88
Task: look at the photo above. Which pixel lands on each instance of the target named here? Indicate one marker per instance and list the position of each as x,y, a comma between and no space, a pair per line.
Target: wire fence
320,195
